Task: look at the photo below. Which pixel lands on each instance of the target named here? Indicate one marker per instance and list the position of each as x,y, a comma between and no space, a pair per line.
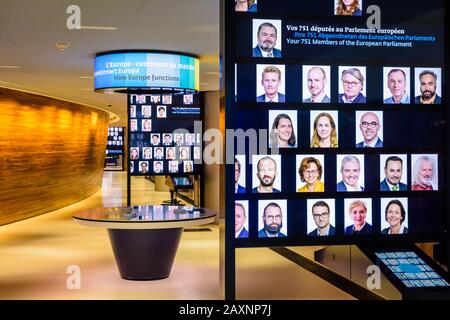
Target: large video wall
355,118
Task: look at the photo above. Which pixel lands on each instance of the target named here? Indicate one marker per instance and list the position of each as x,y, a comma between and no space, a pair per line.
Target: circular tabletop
145,217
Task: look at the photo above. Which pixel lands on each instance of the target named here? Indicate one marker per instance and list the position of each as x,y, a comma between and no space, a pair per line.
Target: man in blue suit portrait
237,173
271,80
317,81
267,39
321,215
369,126
393,169
428,81
353,83
240,217
350,170
273,222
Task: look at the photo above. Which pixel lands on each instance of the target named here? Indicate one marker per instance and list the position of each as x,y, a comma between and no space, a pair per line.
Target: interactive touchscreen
411,269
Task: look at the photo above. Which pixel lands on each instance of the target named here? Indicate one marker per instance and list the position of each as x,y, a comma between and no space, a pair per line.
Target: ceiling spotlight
62,46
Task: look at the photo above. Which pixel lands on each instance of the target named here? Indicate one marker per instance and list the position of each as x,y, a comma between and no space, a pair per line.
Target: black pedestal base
145,254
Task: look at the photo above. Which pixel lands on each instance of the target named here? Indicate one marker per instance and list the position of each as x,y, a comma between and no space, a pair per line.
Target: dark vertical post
128,153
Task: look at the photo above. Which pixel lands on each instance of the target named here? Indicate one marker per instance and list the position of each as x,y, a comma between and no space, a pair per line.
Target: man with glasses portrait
321,216
353,83
369,126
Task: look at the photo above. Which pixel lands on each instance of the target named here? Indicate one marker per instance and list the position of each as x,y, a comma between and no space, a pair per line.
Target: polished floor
36,255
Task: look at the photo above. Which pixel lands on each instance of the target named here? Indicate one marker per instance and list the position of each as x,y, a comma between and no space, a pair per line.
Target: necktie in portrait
395,188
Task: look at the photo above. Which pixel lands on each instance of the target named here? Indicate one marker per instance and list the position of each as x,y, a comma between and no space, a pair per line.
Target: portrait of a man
271,84
424,175
350,171
428,86
322,217
266,174
266,37
352,81
393,172
317,84
272,216
397,85
370,129
240,219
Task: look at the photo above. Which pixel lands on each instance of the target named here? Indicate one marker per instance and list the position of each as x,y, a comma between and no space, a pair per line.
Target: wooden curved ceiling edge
30,30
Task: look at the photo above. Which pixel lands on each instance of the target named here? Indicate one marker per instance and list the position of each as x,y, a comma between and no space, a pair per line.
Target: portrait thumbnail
283,129
272,218
321,217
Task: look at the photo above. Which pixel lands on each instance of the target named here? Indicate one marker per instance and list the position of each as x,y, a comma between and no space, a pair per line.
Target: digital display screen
181,181
162,136
115,142
412,270
352,102
146,69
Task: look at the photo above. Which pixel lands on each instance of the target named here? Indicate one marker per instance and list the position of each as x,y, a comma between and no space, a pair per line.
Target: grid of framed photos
162,137
356,129
115,143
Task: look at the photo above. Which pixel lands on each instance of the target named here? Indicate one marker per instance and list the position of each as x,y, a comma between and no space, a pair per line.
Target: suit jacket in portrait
262,234
331,232
240,189
262,98
359,98
243,233
257,52
325,99
385,187
379,144
385,231
437,100
255,190
342,187
367,229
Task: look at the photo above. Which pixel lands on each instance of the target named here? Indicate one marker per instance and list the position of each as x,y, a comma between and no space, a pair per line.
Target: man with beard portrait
273,222
428,81
267,173
267,39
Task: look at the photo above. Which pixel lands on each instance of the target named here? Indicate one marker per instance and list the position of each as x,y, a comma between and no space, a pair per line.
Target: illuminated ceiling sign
129,70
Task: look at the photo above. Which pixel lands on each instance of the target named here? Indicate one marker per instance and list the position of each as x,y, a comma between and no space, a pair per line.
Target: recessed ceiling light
203,83
99,28
10,67
86,89
216,73
86,77
62,46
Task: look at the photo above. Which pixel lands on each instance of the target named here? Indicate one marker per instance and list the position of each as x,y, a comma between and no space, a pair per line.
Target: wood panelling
51,153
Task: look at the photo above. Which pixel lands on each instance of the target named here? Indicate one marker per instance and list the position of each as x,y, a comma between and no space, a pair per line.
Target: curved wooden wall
51,153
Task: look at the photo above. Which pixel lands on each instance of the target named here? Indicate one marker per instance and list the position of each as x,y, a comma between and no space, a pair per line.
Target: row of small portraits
350,173
352,85
324,129
164,153
156,98
144,167
146,111
273,217
170,139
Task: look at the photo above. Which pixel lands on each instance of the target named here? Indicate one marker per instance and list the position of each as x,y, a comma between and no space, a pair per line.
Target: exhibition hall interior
224,149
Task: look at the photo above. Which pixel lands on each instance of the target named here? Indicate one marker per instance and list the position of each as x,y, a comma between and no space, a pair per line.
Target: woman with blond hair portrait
324,132
358,214
348,8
